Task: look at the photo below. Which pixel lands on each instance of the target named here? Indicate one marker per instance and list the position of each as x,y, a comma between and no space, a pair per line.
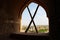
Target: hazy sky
39,19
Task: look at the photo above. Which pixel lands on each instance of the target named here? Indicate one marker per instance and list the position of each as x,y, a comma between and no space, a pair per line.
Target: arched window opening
34,19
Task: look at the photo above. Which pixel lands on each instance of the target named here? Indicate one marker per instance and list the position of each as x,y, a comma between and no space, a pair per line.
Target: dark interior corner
10,18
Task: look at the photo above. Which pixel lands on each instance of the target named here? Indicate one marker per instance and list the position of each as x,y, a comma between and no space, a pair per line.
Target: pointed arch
37,2
35,11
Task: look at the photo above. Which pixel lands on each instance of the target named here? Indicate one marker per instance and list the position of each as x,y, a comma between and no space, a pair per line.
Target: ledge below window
29,36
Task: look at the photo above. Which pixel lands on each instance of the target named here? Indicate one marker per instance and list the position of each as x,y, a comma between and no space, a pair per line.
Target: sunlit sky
40,17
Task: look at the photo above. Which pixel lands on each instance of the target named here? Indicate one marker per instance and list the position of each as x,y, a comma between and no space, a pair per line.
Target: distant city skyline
39,19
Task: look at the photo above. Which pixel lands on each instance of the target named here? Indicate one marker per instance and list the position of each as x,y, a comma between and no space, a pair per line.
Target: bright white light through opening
40,19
